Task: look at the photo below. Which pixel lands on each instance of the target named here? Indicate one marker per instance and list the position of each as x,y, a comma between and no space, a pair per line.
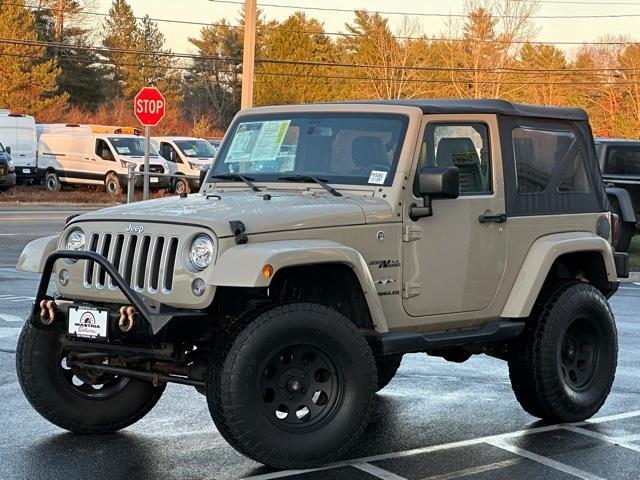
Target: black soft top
501,107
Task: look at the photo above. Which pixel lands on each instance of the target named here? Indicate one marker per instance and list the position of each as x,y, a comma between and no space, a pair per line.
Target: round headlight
201,252
75,240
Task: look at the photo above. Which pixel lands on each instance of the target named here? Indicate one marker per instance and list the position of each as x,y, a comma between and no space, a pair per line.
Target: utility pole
249,53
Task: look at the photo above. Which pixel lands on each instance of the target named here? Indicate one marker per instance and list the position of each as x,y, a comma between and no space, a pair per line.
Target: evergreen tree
122,33
297,38
28,82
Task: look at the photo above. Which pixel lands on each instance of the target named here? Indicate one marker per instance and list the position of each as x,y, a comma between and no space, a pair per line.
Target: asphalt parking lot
436,420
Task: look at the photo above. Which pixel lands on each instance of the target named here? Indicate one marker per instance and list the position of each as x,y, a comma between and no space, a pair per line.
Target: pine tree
28,82
122,33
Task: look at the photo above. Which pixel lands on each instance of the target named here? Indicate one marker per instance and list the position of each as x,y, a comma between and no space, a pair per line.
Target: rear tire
112,184
52,182
57,393
292,387
387,368
563,365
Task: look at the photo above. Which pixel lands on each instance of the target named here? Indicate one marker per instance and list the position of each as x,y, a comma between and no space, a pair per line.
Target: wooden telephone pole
249,53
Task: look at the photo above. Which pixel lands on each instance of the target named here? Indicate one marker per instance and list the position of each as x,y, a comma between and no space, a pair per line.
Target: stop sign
148,106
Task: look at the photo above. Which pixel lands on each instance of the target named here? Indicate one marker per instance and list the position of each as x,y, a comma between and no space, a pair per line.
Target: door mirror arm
435,182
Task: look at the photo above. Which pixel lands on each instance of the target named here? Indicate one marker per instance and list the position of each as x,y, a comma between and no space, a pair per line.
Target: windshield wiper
235,176
311,178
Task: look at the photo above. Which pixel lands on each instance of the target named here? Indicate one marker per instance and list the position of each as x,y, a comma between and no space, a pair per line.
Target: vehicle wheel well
331,284
585,266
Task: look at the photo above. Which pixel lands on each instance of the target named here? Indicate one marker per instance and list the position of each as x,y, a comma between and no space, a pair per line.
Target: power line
429,14
309,63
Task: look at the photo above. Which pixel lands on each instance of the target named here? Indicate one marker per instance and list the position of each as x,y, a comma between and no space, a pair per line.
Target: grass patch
37,193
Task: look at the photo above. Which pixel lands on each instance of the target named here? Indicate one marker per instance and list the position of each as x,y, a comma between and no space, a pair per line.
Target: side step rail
410,342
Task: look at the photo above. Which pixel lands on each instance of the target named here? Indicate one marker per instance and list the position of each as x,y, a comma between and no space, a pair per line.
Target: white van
186,156
18,135
71,154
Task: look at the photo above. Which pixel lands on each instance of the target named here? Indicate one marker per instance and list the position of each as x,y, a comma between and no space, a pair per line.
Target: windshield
130,146
354,148
196,148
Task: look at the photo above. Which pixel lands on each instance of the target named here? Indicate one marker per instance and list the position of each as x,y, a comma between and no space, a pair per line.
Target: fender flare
35,253
624,200
241,266
539,260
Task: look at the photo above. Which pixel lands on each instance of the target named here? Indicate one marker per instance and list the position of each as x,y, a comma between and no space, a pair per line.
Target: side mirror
8,150
435,182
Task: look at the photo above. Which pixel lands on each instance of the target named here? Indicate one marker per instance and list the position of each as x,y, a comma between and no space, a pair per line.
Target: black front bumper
155,320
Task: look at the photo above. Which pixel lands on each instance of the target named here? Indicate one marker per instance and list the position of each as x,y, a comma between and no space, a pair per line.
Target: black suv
7,169
620,165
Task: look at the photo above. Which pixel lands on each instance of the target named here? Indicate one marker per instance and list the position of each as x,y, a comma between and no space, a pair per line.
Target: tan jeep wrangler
326,242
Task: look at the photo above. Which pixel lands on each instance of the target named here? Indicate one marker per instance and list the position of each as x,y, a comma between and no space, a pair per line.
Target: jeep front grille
146,262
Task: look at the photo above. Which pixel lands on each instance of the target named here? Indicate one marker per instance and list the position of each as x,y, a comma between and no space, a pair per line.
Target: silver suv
326,242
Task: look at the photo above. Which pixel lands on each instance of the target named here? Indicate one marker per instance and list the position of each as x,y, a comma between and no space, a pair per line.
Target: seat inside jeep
461,152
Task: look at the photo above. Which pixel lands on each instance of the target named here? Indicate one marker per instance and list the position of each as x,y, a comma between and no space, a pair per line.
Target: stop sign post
148,107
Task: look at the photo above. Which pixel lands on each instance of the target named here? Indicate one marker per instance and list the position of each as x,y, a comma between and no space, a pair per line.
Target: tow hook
125,322
47,311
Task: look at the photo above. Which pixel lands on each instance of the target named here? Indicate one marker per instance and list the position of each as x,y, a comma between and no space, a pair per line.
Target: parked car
288,296
18,135
7,170
620,165
72,154
187,156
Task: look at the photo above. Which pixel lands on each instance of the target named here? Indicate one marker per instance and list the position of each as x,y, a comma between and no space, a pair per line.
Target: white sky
549,29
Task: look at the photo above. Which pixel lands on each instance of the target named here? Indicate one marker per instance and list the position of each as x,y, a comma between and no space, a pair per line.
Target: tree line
56,65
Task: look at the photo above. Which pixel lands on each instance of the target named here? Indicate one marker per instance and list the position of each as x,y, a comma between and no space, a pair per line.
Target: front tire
112,184
70,400
181,186
563,365
293,387
52,182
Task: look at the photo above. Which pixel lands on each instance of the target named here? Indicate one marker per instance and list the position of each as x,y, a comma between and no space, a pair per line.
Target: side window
539,154
168,152
622,160
465,146
103,150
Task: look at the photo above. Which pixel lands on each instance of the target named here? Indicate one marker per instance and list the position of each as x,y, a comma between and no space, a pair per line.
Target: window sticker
257,141
377,177
190,152
123,150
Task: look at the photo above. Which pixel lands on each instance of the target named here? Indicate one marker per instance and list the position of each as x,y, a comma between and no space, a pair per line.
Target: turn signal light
267,271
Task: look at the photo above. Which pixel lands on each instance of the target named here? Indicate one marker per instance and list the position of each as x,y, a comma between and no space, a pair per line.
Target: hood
284,211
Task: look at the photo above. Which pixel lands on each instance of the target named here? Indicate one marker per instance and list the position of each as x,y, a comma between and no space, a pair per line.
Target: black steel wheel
300,388
563,365
77,399
292,387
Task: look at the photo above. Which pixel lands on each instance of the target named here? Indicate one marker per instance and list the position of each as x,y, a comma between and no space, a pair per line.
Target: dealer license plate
88,323
154,179
26,170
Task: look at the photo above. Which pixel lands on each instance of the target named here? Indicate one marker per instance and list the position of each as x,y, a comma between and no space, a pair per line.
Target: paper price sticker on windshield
377,177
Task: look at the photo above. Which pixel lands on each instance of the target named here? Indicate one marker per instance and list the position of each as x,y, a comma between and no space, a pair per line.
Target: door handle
500,218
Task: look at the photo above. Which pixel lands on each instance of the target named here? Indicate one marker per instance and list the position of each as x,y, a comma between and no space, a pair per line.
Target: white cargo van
18,135
94,155
186,156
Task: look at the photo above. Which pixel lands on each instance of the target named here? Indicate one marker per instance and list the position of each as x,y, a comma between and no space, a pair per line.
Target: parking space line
604,438
546,461
447,446
474,470
377,471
